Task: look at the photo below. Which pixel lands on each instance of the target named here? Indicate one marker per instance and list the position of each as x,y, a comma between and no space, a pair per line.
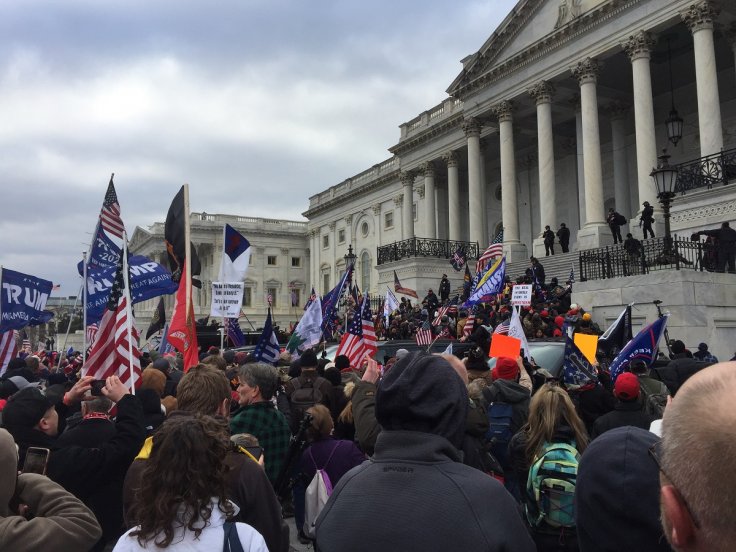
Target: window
273,293
388,220
414,211
296,297
325,241
271,260
364,229
248,297
325,284
341,236
365,271
296,262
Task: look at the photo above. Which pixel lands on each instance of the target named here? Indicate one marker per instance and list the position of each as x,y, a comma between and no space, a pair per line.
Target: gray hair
261,375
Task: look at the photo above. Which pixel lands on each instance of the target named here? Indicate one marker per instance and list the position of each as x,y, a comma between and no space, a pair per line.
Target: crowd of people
507,458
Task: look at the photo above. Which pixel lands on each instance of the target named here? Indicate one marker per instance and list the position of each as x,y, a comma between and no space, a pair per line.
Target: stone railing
424,120
369,175
235,219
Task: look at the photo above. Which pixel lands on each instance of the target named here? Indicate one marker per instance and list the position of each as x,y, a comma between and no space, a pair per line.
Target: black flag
174,237
159,319
617,335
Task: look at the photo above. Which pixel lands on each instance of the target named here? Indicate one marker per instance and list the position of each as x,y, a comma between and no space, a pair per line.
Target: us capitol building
560,115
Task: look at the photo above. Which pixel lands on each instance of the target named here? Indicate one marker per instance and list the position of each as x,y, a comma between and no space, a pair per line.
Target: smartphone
36,460
97,386
257,452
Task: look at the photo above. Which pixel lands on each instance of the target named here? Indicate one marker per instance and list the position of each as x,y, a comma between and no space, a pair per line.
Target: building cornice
480,72
445,127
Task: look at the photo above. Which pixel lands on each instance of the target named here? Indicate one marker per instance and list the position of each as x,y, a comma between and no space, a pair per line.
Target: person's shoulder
127,541
250,539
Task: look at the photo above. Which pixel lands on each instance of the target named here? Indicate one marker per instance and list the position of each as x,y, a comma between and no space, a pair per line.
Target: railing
708,171
425,247
615,262
375,302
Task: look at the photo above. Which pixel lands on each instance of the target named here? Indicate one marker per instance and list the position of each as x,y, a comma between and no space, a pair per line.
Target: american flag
458,258
269,299
8,348
503,328
494,250
110,214
26,346
312,297
109,355
398,288
91,333
572,274
360,339
469,324
442,311
423,337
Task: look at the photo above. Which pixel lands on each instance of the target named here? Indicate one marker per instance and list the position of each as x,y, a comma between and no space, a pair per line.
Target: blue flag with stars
577,370
268,348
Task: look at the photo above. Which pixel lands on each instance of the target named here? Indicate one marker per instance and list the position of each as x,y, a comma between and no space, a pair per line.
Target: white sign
522,295
226,299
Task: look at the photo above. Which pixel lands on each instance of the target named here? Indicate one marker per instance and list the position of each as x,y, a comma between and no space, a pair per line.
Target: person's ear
678,521
223,409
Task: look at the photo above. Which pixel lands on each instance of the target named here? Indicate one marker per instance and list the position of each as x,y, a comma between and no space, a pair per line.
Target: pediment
529,23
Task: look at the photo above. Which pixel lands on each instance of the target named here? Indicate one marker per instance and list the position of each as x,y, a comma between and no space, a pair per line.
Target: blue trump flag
577,370
233,332
147,280
23,300
642,347
104,253
267,349
332,300
492,283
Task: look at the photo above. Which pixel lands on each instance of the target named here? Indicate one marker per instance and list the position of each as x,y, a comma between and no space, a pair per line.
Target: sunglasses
655,451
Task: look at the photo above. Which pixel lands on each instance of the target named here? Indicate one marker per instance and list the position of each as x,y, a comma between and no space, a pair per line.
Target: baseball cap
21,383
626,387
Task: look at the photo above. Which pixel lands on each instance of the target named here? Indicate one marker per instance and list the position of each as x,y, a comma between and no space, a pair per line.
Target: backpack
620,219
551,486
304,398
500,416
316,495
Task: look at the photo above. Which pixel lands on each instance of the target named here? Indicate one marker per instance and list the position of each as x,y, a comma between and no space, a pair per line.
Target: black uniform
549,242
563,234
444,289
614,223
646,220
725,248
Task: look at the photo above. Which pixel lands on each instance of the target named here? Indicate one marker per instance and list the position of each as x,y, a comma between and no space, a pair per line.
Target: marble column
472,127
312,258
453,195
699,19
349,226
590,236
509,207
407,216
731,35
638,48
542,93
430,213
484,147
285,289
624,200
333,254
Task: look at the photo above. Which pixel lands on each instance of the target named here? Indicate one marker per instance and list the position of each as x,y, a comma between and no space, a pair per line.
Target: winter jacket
679,370
415,477
344,458
512,393
625,413
60,521
364,416
247,487
211,538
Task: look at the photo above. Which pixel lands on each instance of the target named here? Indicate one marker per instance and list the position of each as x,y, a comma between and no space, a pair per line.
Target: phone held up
97,386
37,459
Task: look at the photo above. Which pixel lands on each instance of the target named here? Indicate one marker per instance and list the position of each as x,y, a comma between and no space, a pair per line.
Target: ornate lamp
674,121
665,180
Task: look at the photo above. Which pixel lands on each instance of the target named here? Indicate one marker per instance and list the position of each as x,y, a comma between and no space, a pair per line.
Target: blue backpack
551,486
500,416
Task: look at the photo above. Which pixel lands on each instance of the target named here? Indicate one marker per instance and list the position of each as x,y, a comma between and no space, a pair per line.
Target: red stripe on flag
8,349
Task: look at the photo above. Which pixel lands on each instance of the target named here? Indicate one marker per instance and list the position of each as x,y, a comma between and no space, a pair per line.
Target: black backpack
304,397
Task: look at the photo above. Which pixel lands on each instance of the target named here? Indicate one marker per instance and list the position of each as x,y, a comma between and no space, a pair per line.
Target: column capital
586,71
314,233
451,158
419,190
700,15
542,92
376,209
639,46
407,178
284,250
427,169
331,226
399,200
504,111
349,220
616,110
471,127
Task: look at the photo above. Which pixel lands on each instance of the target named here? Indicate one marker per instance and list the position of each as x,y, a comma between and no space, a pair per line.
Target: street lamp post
350,257
665,180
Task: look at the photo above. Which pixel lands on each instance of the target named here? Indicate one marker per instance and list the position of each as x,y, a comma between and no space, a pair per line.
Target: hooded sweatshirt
62,522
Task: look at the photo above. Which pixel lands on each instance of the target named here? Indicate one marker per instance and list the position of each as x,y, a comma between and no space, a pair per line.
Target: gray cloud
251,102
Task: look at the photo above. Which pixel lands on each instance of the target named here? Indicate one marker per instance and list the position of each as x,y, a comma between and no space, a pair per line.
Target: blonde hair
322,425
549,408
346,416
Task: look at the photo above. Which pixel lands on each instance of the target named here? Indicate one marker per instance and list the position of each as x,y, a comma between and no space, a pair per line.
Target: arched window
365,271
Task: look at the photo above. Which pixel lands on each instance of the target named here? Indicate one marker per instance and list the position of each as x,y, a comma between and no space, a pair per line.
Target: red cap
626,387
544,313
505,368
559,321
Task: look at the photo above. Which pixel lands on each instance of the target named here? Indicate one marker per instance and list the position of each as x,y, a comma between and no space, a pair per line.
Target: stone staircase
557,265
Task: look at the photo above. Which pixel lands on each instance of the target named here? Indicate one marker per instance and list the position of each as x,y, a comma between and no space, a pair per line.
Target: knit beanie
506,368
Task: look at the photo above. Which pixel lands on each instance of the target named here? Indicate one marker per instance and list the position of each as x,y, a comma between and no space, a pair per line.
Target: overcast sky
257,104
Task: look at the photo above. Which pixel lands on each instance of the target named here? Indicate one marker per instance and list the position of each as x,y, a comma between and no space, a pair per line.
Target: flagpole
128,311
187,259
1,288
84,306
69,327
